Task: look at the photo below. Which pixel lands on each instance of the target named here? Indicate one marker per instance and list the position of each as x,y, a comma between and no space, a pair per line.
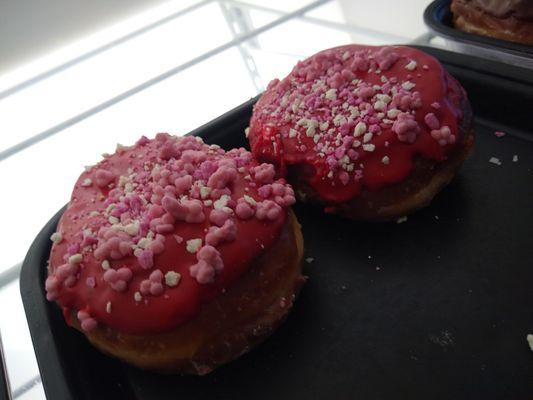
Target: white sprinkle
302,122
122,180
408,85
380,105
94,213
250,200
384,98
113,220
120,148
331,94
108,307
222,202
339,119
393,113
87,182
293,133
515,158
330,174
360,128
369,147
295,105
132,229
367,137
208,203
345,56
105,265
411,66
310,132
495,161
193,245
128,188
56,237
324,126
385,160
172,278
75,258
529,339
309,260
354,112
356,143
205,192
401,220
137,296
247,131
144,242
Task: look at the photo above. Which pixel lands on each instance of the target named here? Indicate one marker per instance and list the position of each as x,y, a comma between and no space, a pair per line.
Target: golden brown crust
471,19
227,327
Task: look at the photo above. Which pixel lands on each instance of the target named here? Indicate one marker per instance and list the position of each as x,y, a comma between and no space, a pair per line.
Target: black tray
437,307
4,383
438,17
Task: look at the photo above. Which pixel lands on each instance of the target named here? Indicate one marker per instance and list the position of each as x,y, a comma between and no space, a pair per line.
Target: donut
369,133
510,20
176,256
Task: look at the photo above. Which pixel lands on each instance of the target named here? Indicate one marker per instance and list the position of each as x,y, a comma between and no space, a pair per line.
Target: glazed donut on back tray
371,133
510,20
177,256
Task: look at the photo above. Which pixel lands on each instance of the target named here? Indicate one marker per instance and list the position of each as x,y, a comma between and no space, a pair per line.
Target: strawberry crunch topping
155,230
358,115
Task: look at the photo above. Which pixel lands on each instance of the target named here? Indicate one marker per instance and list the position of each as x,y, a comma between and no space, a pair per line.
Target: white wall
31,28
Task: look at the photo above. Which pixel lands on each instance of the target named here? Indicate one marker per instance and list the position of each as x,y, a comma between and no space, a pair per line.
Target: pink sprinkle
244,210
143,141
386,57
406,128
183,184
146,259
226,233
173,206
267,209
87,323
153,285
91,282
52,286
103,177
218,217
431,121
435,105
168,151
344,177
264,173
443,136
499,134
222,177
118,279
209,262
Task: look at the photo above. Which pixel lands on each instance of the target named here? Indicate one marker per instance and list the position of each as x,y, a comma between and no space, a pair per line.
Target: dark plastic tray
4,384
437,307
438,17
